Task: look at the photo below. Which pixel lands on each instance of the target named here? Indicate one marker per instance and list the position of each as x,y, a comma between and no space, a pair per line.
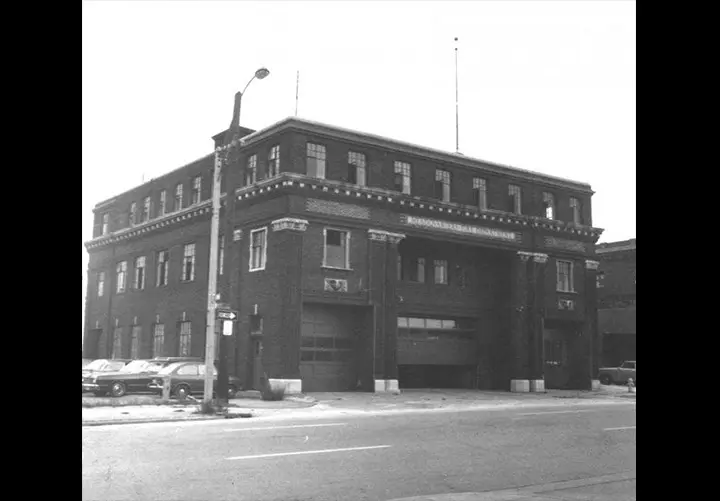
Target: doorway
258,370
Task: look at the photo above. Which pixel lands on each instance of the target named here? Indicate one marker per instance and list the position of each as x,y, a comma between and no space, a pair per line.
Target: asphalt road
379,458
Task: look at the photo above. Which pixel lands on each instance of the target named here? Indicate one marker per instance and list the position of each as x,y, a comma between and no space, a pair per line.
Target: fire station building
356,262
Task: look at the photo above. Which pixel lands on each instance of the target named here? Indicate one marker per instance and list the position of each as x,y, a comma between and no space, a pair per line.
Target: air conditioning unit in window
335,285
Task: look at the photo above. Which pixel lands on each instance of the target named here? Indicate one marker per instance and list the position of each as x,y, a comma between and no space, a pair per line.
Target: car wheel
605,379
182,391
117,389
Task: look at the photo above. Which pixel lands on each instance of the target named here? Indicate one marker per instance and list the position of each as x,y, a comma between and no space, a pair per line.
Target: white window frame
263,256
575,205
318,149
405,169
178,202
359,160
121,276
480,184
549,205
571,276
145,216
187,254
515,191
131,216
163,203
187,336
158,334
251,170
444,177
101,284
274,161
347,248
196,193
139,281
105,223
444,274
166,265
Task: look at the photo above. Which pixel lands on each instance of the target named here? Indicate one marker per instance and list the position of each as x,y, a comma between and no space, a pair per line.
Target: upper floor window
221,257
178,197
441,271
515,194
121,276
600,280
251,170
105,223
274,161
258,249
196,193
356,168
139,273
565,281
337,249
316,160
188,270
162,204
412,269
131,215
145,210
403,177
480,193
101,284
442,185
162,268
577,213
549,205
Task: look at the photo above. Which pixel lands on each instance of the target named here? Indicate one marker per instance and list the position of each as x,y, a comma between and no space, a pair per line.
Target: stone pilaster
590,327
519,326
535,320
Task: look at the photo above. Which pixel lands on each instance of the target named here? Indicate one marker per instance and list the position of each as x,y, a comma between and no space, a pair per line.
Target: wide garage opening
436,353
327,353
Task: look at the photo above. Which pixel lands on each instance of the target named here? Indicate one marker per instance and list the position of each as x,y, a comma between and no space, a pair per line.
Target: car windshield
169,369
114,365
96,365
140,366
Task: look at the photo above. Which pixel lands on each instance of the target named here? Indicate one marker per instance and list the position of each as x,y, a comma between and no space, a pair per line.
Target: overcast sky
545,86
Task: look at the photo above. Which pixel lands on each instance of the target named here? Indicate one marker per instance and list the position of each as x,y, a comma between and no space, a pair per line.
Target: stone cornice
592,265
290,180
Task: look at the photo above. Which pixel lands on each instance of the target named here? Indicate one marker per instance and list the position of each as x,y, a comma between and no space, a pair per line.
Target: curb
166,420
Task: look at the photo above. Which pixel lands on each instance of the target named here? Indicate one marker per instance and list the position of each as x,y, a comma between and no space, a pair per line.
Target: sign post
227,316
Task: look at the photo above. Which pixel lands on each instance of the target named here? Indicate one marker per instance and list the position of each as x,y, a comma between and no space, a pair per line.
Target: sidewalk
319,405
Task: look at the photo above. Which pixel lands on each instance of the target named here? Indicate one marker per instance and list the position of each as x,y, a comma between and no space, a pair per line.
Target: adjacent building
617,308
357,262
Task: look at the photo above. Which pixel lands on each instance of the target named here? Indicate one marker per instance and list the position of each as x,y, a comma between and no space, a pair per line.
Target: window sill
256,269
566,292
326,267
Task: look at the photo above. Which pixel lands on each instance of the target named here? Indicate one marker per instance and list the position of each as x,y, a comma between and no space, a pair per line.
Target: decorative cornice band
290,223
524,256
385,236
540,258
591,265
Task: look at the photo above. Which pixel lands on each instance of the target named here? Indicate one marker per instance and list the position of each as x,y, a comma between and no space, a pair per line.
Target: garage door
428,341
327,349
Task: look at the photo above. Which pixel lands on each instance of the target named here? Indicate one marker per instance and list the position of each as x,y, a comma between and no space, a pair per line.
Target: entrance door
258,371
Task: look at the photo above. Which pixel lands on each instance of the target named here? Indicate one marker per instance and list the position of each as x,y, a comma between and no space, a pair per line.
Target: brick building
617,308
355,261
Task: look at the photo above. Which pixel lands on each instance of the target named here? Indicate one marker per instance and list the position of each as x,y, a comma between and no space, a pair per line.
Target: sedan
102,365
187,378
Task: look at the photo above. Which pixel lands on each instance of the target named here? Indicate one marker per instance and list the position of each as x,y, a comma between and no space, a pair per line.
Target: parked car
187,378
102,365
86,362
132,378
618,375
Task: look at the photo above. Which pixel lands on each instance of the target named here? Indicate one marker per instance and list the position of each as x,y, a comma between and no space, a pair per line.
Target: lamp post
231,140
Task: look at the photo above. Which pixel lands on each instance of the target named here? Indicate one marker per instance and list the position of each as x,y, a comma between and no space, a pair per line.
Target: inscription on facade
337,208
423,222
561,243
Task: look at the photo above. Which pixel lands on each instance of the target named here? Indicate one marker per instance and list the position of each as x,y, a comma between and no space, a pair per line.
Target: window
131,215
441,271
162,268
196,190
188,370
403,179
337,249
185,335
258,249
105,223
145,217
480,193
158,340
162,204
417,272
399,267
121,276
600,280
251,170
101,284
575,205
554,352
139,273
178,197
117,343
565,276
188,270
356,168
316,160
549,205
221,252
135,341
442,185
515,199
274,161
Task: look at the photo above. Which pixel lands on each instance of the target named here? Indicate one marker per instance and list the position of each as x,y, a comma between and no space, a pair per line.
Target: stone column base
290,385
519,385
595,385
537,385
386,385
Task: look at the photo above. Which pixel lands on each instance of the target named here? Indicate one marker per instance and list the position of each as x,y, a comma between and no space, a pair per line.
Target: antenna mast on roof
457,123
297,90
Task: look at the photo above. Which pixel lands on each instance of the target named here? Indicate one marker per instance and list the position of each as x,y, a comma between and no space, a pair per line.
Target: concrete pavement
571,452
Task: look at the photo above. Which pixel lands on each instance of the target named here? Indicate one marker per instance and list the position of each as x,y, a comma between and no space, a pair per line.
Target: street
374,457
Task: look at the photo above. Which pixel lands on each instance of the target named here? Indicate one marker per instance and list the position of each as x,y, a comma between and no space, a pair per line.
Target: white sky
545,86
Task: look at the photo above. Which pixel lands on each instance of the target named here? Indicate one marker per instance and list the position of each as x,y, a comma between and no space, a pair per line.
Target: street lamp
230,141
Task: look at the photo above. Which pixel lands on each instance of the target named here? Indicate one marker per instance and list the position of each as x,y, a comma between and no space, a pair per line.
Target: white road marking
620,428
259,456
285,427
553,412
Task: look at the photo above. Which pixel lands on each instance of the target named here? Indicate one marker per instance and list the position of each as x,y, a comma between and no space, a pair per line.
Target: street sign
227,314
227,327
